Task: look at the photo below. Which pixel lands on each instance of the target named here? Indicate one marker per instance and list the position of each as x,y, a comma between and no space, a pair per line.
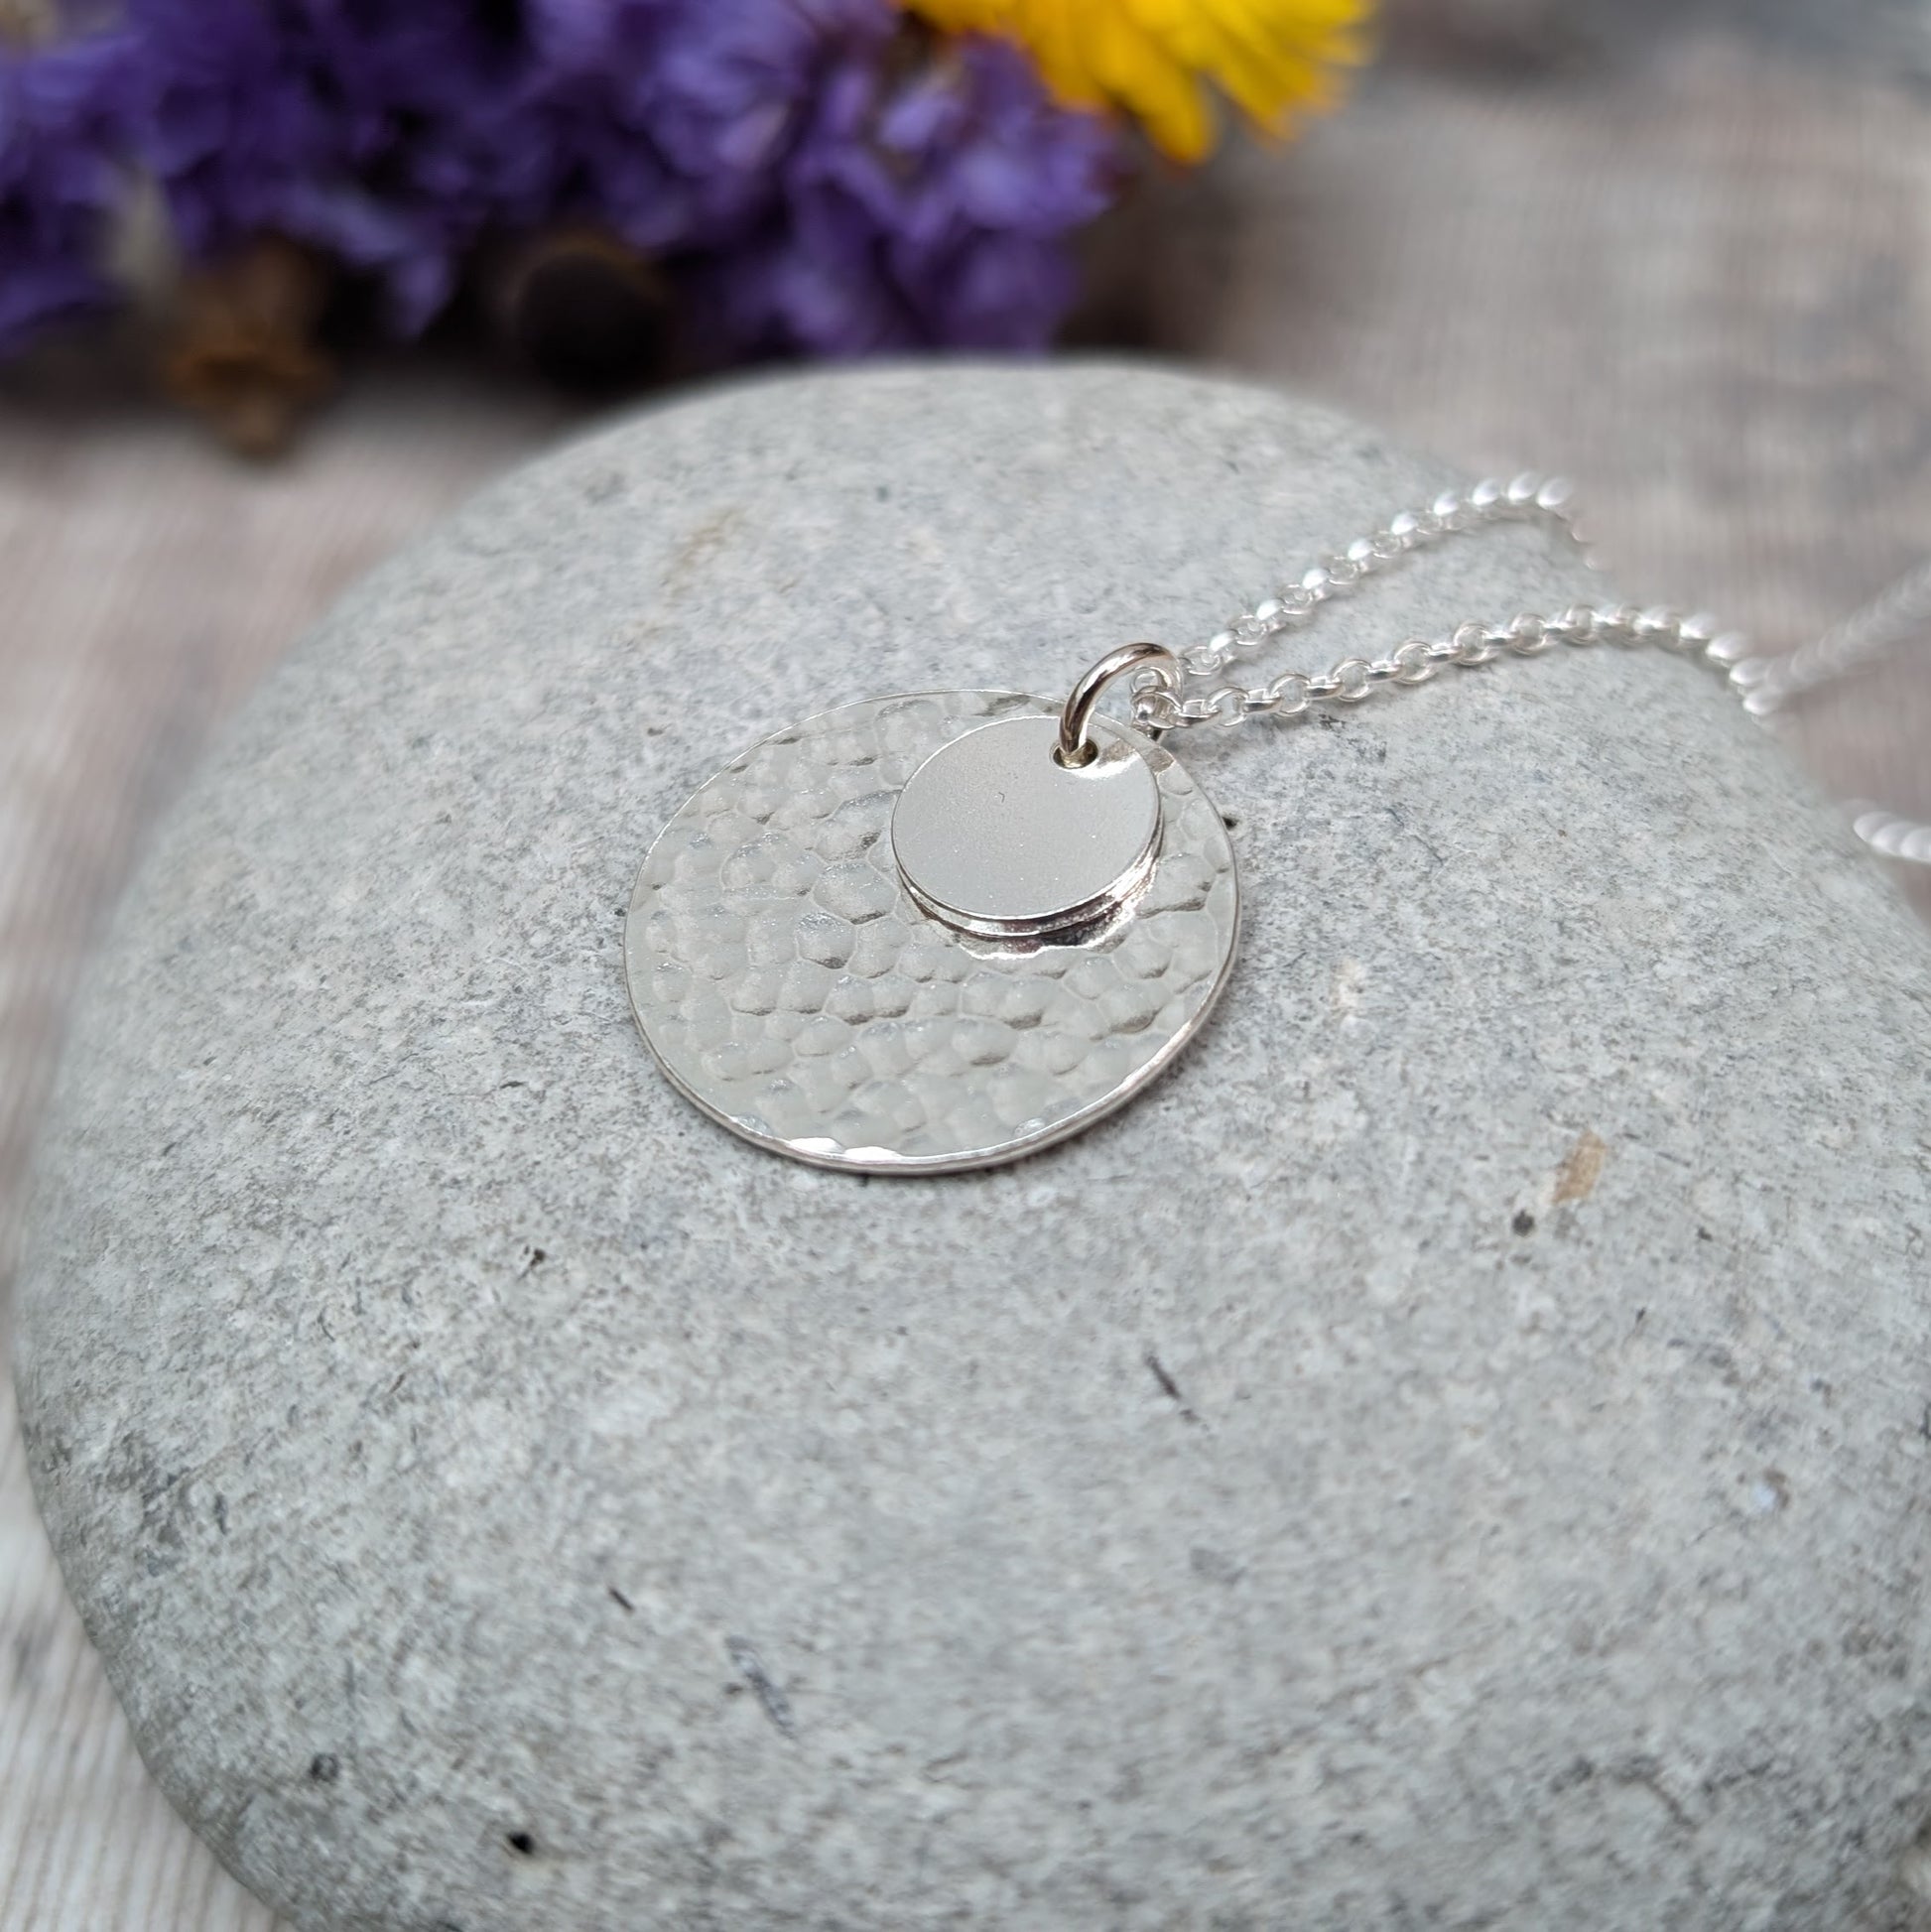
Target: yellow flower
1275,59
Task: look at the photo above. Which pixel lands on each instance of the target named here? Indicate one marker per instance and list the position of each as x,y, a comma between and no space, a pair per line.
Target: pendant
934,931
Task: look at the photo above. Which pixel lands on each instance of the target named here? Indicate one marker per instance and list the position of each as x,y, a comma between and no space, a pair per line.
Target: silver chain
1204,693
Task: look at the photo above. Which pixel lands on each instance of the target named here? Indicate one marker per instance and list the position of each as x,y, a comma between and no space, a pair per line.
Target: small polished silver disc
793,987
994,836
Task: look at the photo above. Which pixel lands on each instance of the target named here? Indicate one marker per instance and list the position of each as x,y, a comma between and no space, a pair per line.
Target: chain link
1866,638
1205,693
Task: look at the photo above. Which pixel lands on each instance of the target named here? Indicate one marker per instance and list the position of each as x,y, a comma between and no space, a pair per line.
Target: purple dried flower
821,191
820,175
61,114
372,132
935,212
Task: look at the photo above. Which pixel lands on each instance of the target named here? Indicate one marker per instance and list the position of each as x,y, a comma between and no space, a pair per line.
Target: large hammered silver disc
790,984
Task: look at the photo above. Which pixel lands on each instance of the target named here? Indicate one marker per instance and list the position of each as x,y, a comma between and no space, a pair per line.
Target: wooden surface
1698,278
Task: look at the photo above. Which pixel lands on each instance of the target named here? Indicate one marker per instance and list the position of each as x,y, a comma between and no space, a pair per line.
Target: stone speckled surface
1450,1454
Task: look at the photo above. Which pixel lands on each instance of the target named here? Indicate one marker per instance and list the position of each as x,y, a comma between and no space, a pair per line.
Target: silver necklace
939,930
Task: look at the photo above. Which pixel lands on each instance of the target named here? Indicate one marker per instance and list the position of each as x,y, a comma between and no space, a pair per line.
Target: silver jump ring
1075,746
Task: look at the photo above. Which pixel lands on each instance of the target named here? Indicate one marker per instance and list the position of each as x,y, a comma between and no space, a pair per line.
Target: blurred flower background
621,186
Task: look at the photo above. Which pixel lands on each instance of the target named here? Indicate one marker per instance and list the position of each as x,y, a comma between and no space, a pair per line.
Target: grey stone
1451,1453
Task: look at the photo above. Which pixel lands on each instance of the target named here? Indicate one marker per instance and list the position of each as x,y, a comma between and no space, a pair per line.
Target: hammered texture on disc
789,984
